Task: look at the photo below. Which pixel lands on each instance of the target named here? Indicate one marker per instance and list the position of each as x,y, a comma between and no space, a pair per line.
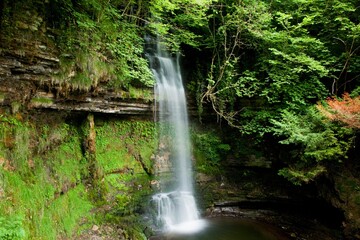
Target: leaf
345,110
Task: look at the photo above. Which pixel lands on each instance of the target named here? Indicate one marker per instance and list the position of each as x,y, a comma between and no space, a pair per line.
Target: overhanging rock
109,104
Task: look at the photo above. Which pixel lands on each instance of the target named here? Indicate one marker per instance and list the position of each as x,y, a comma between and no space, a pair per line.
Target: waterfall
176,207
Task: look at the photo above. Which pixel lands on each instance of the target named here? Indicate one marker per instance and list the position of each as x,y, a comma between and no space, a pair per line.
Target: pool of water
227,229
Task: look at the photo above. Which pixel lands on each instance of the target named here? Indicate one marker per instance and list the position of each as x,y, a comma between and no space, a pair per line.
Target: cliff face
27,81
74,164
30,67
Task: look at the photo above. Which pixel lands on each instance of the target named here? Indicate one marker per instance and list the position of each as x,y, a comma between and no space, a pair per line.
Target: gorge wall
77,159
74,158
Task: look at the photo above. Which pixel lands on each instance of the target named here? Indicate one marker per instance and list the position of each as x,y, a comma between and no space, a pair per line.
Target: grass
43,191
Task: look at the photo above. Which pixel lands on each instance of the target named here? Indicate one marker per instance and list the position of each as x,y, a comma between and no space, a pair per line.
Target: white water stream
176,209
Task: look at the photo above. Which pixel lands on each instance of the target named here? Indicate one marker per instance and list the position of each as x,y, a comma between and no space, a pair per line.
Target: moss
123,152
45,175
44,190
69,209
11,228
83,72
15,107
41,100
209,150
46,216
2,95
120,144
141,93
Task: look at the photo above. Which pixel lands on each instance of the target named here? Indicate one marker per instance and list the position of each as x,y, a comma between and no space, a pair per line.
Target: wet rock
95,228
202,178
162,162
88,103
102,232
2,192
94,237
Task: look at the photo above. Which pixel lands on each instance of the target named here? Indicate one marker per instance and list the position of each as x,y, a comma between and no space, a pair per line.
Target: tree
345,110
270,62
276,55
313,143
178,22
230,29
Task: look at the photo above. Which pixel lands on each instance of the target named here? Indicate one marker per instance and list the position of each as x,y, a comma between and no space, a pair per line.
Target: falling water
176,208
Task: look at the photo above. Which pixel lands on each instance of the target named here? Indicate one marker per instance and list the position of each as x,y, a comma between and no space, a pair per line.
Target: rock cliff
30,67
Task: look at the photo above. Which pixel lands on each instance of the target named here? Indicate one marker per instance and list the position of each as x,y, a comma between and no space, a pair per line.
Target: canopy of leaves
269,62
111,33
179,21
289,54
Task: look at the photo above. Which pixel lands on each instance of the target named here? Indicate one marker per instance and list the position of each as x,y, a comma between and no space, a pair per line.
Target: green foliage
256,122
209,151
108,47
299,177
231,29
15,135
314,142
127,48
11,228
269,63
179,22
320,140
355,92
282,55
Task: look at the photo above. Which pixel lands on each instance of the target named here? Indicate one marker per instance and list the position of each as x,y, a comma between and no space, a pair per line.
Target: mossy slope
47,190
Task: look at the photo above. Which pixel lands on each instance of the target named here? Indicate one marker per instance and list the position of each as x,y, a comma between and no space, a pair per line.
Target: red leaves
345,110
